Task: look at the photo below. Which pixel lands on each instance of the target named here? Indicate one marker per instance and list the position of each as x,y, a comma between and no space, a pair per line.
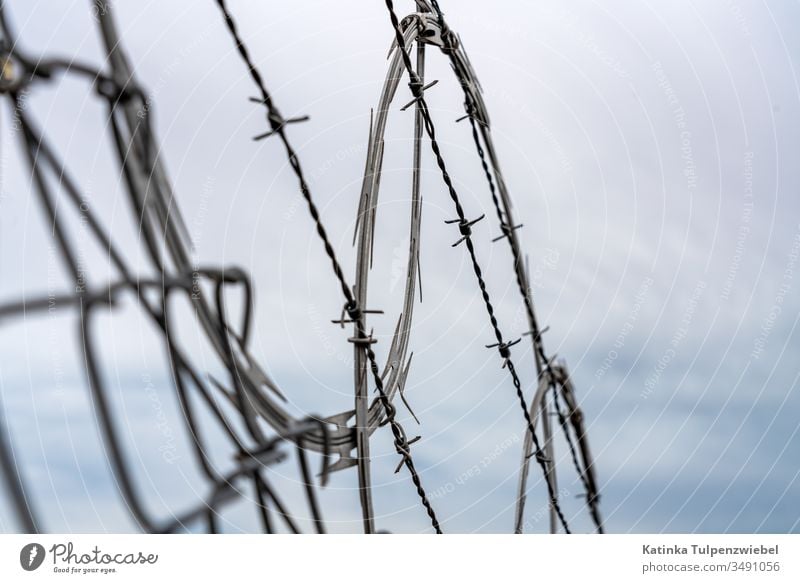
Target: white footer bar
406,558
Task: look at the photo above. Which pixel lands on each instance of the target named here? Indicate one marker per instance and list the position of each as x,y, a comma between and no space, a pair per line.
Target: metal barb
406,451
418,94
278,123
464,227
506,231
504,348
537,335
355,315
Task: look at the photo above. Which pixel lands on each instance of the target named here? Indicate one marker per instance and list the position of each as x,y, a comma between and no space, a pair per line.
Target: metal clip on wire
363,340
404,450
464,227
355,313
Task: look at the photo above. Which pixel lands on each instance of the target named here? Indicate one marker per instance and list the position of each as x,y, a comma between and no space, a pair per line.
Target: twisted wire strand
543,362
591,495
417,90
278,123
507,229
136,150
135,155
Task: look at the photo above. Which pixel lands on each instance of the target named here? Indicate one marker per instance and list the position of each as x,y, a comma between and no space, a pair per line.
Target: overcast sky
651,150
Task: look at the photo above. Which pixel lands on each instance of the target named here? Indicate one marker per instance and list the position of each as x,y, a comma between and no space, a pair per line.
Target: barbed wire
248,390
465,229
136,152
543,362
351,307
